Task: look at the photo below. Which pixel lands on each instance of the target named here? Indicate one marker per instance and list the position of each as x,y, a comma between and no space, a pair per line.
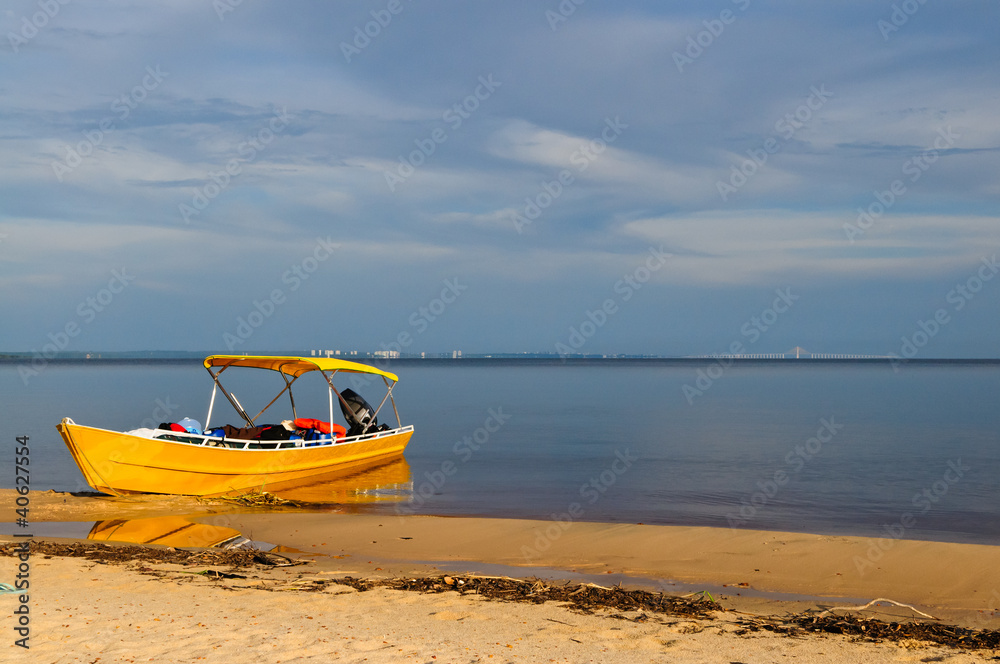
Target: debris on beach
584,597
256,498
870,629
126,553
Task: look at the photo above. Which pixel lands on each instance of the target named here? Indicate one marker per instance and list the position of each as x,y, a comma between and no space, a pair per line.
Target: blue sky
626,177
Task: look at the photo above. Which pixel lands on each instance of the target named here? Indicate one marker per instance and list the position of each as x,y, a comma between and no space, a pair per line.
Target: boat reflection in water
176,531
385,482
361,484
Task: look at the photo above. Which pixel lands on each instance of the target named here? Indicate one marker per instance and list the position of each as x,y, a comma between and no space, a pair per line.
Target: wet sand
953,581
101,610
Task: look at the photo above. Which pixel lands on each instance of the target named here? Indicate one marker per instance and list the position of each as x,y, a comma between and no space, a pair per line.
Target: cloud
767,245
655,183
597,160
493,219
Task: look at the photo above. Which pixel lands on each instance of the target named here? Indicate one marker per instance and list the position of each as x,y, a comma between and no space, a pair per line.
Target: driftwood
876,601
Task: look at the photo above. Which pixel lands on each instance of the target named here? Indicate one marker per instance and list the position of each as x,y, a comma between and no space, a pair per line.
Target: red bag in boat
319,425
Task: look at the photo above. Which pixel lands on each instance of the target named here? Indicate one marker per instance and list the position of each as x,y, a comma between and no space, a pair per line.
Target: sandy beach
152,611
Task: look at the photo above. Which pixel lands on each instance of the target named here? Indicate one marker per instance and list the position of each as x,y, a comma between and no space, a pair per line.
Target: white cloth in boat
144,433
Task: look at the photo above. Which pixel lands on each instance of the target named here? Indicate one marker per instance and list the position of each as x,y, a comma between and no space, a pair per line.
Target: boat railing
269,445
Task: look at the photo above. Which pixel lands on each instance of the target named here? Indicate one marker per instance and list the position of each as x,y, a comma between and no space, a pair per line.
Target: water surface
851,448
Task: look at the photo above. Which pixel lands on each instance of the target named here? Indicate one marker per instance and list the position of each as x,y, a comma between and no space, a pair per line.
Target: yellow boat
208,463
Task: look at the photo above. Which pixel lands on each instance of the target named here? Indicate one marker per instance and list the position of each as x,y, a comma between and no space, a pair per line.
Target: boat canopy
294,366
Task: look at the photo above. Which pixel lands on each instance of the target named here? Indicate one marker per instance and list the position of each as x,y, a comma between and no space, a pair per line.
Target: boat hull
120,463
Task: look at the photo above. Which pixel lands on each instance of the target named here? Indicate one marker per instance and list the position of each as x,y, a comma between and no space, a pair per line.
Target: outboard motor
359,415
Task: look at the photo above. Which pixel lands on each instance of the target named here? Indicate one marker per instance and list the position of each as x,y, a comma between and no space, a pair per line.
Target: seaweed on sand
105,553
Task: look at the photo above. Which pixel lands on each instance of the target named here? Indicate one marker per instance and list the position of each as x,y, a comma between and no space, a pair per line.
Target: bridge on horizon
797,353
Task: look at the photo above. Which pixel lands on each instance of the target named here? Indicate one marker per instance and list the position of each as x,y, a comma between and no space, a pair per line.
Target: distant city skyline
388,355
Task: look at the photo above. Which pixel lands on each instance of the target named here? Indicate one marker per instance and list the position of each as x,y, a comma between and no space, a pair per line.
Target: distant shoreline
539,360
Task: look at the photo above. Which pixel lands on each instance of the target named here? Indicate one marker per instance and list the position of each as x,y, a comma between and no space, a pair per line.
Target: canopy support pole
232,400
211,405
387,395
291,397
330,393
393,400
347,406
288,388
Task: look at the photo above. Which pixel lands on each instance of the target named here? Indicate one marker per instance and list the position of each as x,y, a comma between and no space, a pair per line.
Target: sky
579,176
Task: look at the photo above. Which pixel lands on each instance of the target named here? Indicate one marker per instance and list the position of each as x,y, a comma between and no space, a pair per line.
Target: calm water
619,440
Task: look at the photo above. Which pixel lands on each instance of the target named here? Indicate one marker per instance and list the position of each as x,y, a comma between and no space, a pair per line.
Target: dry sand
82,610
